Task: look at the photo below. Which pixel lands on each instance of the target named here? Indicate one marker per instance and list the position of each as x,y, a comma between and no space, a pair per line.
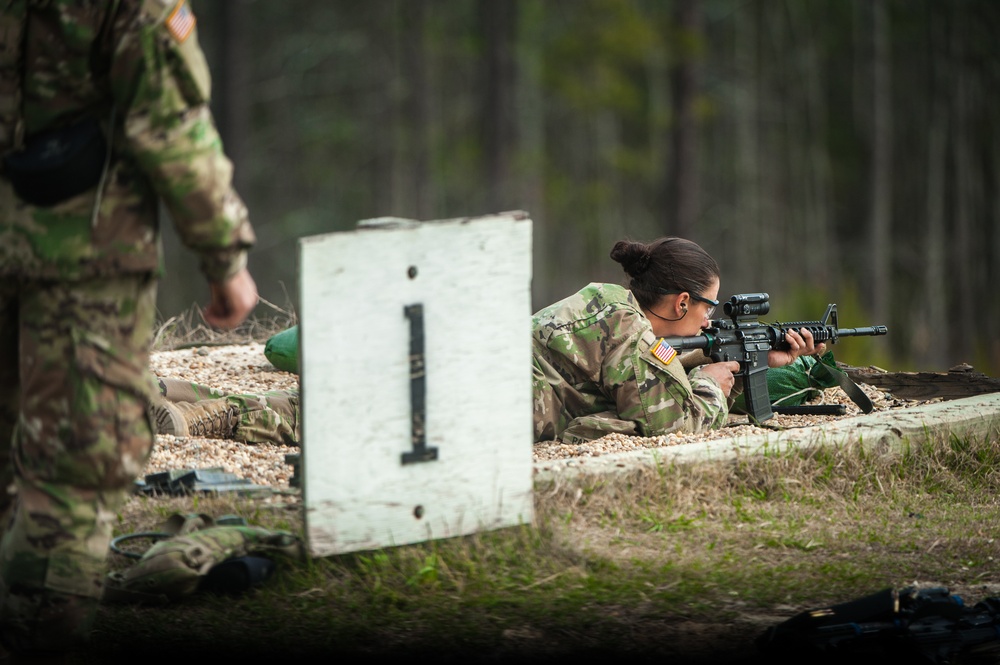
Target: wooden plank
360,389
959,381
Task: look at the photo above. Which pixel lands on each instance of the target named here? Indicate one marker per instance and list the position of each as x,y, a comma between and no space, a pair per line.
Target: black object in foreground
911,625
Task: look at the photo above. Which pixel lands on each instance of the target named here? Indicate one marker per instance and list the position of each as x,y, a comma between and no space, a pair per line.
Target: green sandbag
283,350
795,383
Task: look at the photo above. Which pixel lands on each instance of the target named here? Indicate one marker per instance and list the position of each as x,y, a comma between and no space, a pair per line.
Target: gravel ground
243,368
234,369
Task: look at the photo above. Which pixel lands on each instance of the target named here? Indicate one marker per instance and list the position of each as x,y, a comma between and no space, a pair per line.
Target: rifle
931,626
746,340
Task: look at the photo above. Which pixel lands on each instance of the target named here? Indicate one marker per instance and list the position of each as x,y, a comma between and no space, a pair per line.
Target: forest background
822,151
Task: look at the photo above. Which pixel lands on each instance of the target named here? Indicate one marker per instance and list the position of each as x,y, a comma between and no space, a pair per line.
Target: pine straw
189,328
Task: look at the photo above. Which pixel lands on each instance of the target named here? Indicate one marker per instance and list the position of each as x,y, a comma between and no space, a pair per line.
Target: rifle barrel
858,332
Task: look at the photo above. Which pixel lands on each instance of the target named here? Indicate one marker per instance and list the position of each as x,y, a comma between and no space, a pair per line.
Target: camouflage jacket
595,372
135,65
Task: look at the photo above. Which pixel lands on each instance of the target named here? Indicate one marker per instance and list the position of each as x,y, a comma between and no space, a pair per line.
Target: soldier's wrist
220,267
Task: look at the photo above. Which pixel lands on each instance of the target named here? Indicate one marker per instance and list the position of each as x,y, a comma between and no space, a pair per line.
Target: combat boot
168,418
212,418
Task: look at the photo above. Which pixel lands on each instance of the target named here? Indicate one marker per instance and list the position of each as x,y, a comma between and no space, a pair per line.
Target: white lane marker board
415,378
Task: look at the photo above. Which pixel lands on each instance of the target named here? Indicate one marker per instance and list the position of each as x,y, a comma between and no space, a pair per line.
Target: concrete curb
974,417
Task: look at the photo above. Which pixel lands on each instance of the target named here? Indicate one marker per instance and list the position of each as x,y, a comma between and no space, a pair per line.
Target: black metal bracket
418,390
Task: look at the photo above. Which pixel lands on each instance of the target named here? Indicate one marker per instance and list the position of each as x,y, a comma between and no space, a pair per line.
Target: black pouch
234,576
58,164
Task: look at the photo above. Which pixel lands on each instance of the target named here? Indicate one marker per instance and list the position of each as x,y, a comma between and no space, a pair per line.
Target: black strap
857,395
821,371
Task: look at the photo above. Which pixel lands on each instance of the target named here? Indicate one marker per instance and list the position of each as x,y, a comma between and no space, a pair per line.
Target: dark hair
671,264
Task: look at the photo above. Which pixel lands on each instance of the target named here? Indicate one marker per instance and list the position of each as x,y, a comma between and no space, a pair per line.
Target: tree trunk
236,103
684,183
880,215
531,143
499,21
412,197
382,116
774,172
993,294
964,249
748,153
929,330
812,222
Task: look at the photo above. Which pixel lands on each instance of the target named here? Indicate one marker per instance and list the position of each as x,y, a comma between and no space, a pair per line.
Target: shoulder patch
663,351
180,22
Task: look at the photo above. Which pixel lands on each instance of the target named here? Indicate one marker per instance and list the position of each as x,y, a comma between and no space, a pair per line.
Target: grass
189,328
664,563
681,563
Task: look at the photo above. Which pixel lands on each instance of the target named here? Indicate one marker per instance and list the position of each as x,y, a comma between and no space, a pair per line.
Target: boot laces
219,422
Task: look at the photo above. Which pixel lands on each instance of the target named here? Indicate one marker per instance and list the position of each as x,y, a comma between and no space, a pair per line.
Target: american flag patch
181,21
663,351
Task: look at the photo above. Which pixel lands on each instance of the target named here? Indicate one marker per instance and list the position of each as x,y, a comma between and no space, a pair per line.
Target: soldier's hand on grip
723,373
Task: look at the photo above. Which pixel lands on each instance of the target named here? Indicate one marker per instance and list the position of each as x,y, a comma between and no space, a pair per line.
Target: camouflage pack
193,546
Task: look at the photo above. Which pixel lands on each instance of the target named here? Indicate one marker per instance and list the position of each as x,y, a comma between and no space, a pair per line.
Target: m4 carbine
745,339
928,626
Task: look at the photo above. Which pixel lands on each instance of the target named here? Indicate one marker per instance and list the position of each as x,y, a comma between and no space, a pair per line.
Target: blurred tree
413,182
529,167
880,136
825,151
499,113
234,76
683,185
929,322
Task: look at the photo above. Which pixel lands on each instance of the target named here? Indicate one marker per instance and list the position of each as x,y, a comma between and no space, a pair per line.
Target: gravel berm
245,369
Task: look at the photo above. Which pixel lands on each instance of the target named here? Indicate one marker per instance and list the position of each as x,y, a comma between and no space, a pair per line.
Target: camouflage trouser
269,417
553,423
74,389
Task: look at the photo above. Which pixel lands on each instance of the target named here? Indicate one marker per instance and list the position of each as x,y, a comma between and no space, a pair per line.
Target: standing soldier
103,113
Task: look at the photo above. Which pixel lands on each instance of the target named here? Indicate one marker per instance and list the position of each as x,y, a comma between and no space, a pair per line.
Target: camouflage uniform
594,372
78,280
269,417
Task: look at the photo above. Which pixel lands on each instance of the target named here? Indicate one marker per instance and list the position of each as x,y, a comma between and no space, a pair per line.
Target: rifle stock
745,339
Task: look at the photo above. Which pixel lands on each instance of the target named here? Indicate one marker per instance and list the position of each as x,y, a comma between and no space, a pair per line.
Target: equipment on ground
929,625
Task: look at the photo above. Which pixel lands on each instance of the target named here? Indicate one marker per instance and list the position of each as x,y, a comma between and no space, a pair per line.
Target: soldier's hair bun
633,256
664,265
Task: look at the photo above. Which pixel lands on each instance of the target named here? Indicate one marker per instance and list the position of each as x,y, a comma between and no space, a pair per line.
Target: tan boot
213,418
168,418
